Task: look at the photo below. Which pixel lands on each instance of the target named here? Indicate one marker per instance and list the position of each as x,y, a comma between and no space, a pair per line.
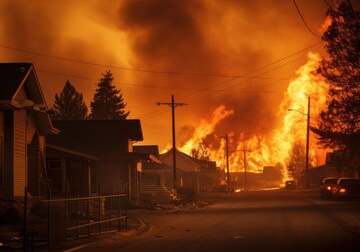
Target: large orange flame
274,148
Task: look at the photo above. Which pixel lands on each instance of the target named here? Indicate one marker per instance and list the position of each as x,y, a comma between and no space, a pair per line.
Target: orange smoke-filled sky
192,49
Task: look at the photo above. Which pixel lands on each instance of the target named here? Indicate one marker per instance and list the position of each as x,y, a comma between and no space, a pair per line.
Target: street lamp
307,143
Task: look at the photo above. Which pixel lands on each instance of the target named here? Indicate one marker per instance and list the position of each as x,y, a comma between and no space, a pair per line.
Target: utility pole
227,160
307,147
173,105
245,150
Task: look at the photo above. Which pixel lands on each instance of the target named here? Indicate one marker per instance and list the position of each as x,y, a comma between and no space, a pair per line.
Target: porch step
157,191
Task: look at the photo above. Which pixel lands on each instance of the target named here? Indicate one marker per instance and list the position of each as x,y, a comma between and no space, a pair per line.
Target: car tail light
328,188
334,189
342,190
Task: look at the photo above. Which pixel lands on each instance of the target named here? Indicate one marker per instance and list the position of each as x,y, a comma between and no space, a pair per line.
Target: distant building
272,176
200,175
251,180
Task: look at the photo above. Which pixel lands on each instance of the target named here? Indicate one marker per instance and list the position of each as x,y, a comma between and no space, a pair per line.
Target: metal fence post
66,213
111,207
119,209
49,217
25,219
126,202
77,212
99,210
88,212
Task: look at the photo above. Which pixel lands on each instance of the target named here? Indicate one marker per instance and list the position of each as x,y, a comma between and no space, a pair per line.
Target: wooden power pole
173,105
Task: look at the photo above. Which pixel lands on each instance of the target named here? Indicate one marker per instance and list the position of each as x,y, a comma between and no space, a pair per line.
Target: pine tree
296,162
69,104
339,124
108,102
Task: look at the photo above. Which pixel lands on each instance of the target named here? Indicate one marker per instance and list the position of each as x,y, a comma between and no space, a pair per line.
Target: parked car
290,184
347,188
327,186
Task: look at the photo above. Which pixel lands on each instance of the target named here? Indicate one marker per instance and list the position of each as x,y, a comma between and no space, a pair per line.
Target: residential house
156,177
91,154
24,124
192,173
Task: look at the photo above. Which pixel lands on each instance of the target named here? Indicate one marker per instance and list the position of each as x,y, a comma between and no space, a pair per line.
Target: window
54,173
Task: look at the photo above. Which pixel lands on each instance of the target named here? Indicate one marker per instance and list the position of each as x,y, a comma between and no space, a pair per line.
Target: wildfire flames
275,148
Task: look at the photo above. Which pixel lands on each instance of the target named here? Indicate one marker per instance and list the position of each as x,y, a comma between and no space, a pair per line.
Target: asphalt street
253,221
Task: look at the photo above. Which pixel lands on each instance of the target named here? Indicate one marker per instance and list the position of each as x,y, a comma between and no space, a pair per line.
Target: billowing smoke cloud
224,38
167,35
179,36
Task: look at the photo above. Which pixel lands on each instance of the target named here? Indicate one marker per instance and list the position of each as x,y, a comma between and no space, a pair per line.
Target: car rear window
330,181
350,182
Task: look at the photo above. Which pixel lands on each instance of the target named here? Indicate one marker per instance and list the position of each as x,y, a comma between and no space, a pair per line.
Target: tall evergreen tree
108,102
339,125
69,104
296,162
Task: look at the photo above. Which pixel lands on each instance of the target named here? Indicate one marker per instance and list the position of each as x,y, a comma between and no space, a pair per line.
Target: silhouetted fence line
80,216
59,218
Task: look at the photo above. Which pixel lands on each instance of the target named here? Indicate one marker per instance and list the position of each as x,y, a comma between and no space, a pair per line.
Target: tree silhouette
200,152
296,162
69,104
108,102
339,124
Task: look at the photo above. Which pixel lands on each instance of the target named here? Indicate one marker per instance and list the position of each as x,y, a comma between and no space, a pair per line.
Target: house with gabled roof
88,154
24,124
200,175
156,177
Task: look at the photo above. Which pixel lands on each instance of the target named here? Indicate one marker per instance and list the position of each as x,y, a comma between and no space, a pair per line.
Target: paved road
258,221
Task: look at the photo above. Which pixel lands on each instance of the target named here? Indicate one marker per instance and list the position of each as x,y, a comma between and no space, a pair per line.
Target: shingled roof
12,76
17,76
97,137
147,149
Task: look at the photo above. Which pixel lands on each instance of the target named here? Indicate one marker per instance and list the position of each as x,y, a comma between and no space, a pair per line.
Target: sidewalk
11,239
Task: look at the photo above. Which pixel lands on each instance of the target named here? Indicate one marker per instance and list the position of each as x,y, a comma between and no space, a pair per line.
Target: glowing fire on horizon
275,148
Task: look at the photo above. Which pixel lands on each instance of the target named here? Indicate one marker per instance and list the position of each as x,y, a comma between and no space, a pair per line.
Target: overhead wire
302,18
158,112
251,77
141,70
207,88
244,76
141,85
115,67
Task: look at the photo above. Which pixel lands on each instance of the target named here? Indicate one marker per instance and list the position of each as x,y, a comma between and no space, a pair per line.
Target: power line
155,86
328,4
151,85
249,78
302,18
136,69
268,71
112,66
158,112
